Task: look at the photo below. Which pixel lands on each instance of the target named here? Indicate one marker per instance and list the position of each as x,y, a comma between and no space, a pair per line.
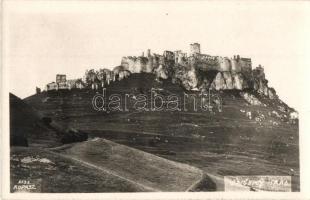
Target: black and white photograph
150,97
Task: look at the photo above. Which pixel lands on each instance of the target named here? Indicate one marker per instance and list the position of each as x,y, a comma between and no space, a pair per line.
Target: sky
44,38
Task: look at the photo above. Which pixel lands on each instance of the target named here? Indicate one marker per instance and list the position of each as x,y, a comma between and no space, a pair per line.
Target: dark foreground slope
231,142
29,127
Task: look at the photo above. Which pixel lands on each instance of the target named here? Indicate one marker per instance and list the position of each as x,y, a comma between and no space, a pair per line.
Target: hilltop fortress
194,71
147,63
198,71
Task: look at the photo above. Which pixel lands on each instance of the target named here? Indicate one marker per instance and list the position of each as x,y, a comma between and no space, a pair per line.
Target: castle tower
60,78
148,52
194,48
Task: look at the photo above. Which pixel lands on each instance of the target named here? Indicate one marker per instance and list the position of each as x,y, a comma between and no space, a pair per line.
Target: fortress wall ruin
246,65
204,62
169,55
135,64
235,66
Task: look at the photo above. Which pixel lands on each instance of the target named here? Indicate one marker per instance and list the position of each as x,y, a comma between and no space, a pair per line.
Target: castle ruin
193,70
202,61
194,48
63,84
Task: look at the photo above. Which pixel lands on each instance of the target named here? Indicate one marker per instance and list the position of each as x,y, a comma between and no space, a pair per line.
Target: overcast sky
43,38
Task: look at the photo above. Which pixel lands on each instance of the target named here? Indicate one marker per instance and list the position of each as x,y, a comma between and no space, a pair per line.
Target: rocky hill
251,134
195,71
242,129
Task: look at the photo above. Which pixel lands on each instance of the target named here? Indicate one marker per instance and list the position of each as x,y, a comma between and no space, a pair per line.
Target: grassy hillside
52,172
138,167
220,143
100,165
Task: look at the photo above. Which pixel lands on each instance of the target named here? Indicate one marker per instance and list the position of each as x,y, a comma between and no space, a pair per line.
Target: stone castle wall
240,69
195,59
137,64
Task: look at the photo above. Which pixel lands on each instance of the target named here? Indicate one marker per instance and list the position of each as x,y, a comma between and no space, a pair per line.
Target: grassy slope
63,175
226,143
136,166
103,166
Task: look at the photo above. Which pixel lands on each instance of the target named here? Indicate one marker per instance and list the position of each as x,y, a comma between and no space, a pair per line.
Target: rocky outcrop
251,99
294,115
123,74
161,72
272,93
204,85
219,82
239,81
190,75
261,86
187,76
260,83
229,81
120,72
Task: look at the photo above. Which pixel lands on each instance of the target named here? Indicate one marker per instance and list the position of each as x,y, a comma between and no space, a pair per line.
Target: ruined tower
60,78
194,48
